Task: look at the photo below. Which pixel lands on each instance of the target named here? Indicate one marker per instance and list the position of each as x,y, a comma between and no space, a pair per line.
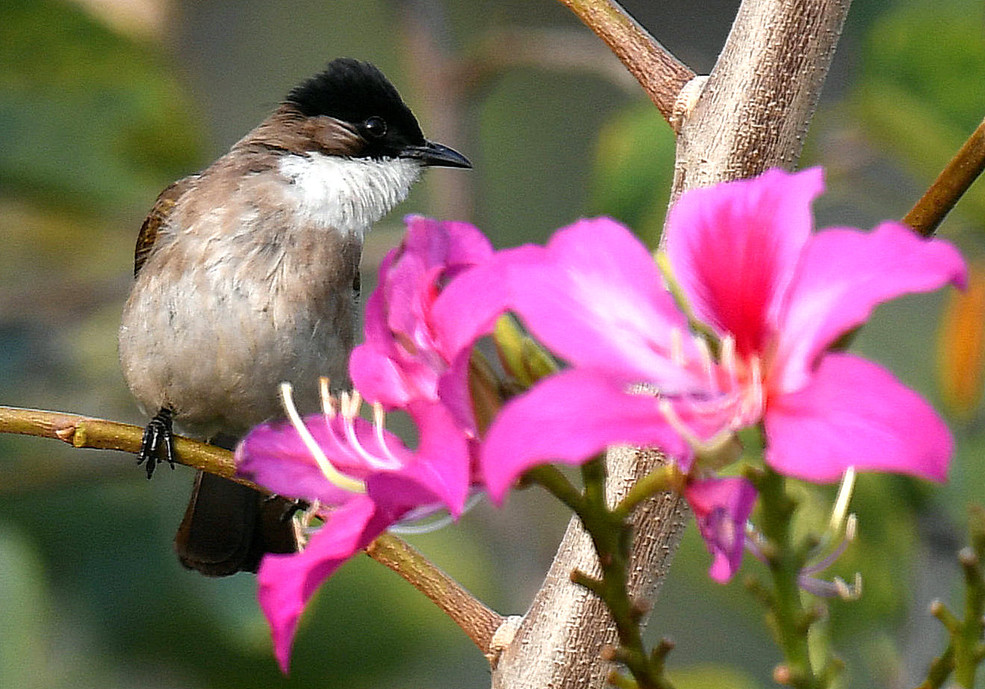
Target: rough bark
752,114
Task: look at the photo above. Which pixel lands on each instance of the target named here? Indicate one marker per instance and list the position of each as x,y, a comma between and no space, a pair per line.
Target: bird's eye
375,127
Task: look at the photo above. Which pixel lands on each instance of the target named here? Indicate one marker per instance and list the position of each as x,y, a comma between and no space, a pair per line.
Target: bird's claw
157,444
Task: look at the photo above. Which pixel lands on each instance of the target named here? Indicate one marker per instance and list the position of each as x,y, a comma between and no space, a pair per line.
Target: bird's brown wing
158,215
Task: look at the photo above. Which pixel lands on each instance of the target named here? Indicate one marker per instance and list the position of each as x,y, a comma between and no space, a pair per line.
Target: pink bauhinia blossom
721,507
774,294
360,479
779,296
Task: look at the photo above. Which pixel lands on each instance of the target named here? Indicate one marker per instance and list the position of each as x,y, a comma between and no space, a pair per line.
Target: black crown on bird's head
357,92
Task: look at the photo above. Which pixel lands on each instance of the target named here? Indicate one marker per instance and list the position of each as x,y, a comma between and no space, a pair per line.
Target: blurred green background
104,102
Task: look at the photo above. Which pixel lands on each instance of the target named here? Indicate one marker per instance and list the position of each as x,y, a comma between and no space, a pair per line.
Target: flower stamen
349,404
328,404
728,360
841,505
677,347
707,362
710,446
333,475
379,424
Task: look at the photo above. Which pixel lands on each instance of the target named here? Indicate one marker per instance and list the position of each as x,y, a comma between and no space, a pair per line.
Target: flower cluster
737,333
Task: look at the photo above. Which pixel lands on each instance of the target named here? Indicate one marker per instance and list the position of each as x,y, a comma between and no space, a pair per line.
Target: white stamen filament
327,401
379,425
349,405
677,347
707,361
851,528
841,504
406,528
752,405
728,359
713,444
334,476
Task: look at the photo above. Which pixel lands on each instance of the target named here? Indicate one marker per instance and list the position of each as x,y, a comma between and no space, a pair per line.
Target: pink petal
721,507
454,393
570,417
274,456
446,243
389,376
443,459
287,582
734,248
375,322
594,297
400,360
855,413
844,275
470,303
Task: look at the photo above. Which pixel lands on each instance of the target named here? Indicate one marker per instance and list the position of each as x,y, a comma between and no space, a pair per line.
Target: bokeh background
104,102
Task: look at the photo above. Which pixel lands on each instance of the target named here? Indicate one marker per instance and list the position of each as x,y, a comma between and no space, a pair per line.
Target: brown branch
950,185
479,622
660,74
87,432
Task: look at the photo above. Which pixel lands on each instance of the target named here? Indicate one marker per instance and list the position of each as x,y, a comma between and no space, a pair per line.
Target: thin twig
660,74
950,185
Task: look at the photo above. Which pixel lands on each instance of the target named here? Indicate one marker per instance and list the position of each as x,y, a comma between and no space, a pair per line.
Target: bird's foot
157,444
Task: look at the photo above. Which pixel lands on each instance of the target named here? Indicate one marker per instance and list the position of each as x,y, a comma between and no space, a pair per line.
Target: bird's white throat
348,194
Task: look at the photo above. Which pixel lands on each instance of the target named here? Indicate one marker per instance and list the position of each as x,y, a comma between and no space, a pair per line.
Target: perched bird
247,275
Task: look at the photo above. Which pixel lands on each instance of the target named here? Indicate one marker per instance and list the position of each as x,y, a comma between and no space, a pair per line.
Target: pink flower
360,479
752,269
775,295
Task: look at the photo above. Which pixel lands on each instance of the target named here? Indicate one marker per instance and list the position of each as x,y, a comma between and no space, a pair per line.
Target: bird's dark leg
158,442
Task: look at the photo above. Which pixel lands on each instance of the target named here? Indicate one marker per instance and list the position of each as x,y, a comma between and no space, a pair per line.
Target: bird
246,275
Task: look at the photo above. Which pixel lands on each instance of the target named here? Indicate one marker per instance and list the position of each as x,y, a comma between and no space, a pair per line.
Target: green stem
659,480
965,650
789,619
611,535
940,670
968,649
557,484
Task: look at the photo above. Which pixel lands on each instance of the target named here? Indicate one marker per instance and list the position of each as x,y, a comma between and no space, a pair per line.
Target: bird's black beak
436,155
